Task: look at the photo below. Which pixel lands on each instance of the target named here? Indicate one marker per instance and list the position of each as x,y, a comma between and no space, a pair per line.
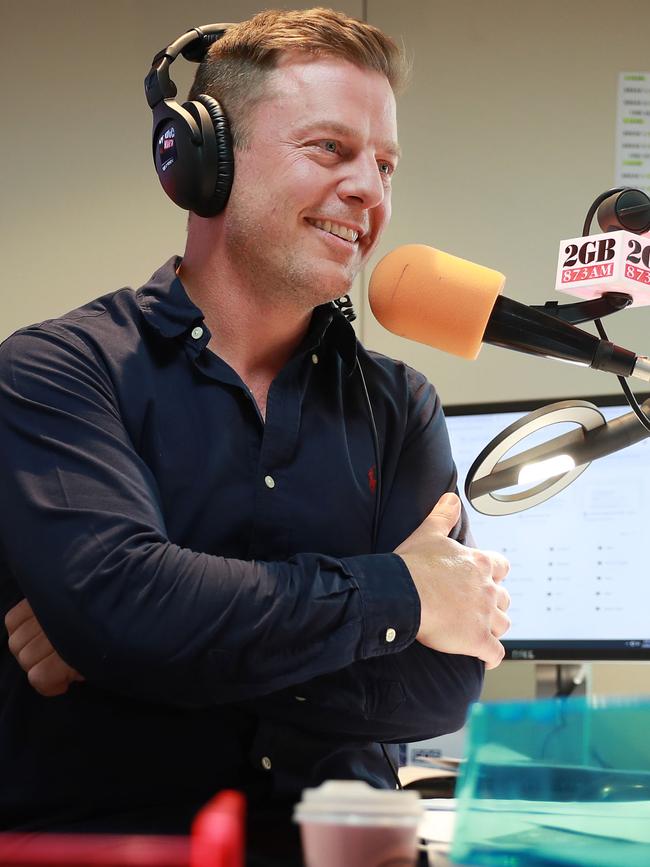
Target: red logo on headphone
372,479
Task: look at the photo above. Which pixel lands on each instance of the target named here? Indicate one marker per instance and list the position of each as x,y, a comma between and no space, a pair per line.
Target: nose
363,182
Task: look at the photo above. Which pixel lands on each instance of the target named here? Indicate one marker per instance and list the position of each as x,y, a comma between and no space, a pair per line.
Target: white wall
82,210
507,131
508,134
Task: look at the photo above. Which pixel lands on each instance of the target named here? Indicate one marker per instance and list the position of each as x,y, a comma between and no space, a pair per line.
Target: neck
254,334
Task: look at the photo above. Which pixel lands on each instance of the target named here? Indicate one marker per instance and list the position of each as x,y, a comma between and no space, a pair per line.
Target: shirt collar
167,308
330,327
165,304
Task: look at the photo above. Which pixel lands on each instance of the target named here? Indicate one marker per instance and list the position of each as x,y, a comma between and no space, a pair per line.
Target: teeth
335,229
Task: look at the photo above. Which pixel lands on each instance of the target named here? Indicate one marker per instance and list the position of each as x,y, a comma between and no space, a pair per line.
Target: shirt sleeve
84,539
414,693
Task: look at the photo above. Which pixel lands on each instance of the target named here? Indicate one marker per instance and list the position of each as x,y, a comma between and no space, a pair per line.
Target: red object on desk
217,840
218,832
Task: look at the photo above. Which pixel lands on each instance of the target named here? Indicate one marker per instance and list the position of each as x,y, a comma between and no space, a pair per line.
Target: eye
385,168
330,145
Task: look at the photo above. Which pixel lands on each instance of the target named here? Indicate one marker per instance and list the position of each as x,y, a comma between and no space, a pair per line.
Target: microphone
454,305
627,209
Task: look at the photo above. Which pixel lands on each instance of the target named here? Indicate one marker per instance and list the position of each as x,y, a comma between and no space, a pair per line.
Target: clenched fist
462,599
46,671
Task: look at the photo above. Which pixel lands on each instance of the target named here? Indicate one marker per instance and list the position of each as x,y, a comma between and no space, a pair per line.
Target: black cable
375,520
398,784
561,725
563,689
594,207
627,391
375,444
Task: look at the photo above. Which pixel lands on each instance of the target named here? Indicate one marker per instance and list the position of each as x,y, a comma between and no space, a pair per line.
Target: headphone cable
375,522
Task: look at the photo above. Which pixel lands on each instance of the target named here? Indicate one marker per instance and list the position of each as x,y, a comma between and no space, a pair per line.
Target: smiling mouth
335,229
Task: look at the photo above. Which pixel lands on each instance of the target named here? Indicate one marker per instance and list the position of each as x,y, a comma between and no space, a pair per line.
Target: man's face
311,194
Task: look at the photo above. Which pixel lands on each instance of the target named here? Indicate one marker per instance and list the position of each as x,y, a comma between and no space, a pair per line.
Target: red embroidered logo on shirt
372,479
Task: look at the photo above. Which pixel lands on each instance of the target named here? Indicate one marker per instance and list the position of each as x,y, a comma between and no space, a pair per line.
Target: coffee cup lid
341,797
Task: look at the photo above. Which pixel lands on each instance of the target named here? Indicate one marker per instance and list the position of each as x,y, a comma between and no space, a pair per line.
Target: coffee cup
347,823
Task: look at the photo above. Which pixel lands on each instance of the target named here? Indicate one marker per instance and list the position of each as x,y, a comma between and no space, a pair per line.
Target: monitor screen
580,570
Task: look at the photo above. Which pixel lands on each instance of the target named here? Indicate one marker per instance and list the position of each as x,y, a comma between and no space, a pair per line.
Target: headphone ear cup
225,165
175,135
192,151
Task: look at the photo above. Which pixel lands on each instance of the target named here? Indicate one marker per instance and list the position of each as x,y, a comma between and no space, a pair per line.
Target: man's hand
461,597
46,671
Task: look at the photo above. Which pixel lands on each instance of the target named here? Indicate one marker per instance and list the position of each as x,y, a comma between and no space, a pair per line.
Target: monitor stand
553,680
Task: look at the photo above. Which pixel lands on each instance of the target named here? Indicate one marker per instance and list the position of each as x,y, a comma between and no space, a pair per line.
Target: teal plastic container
557,781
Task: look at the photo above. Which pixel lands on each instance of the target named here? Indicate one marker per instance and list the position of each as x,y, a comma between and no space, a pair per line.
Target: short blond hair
236,67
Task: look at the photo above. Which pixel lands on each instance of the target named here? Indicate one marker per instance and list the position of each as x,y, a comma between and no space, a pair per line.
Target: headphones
192,144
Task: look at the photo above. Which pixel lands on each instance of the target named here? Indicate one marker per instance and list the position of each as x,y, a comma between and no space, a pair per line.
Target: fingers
29,651
18,615
493,654
51,676
503,597
490,563
20,636
46,671
445,514
500,623
500,565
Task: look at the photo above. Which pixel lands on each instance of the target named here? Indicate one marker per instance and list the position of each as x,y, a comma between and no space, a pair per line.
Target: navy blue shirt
210,573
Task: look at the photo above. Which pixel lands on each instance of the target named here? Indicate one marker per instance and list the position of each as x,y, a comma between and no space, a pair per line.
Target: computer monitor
580,562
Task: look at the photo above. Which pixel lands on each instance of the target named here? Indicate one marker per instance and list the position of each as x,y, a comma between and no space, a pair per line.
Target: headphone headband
193,45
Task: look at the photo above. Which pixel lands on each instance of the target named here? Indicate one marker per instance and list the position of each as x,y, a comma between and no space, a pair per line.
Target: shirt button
314,358
266,763
300,698
391,635
197,333
269,481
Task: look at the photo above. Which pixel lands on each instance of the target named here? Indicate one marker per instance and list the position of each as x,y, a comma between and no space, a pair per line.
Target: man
189,483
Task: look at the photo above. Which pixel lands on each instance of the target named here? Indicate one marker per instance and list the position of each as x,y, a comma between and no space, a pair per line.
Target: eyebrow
389,146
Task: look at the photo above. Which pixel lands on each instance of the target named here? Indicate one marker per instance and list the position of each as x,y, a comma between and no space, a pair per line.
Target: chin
318,282
333,293
335,285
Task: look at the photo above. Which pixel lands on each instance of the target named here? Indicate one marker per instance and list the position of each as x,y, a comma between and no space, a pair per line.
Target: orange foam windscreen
435,298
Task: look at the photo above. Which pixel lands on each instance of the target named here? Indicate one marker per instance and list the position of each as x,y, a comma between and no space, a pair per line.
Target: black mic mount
535,331
586,311
345,306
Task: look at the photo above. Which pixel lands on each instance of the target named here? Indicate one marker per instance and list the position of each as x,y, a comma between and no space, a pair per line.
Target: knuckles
14,647
41,684
498,658
46,682
483,562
